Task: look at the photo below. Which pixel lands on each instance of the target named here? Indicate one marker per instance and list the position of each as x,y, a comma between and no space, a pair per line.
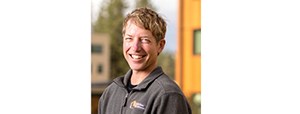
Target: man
145,88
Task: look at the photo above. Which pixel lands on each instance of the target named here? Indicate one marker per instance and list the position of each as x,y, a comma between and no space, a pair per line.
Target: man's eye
128,39
145,40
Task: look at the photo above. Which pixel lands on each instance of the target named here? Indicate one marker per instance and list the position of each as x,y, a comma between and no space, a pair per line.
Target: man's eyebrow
147,36
128,35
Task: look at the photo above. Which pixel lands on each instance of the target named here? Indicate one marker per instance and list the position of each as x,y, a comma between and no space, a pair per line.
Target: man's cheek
126,45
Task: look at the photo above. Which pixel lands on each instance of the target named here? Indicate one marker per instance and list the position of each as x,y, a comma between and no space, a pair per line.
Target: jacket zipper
125,101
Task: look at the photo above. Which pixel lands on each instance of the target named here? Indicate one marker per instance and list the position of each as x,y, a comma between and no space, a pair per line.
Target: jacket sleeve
102,101
99,104
172,103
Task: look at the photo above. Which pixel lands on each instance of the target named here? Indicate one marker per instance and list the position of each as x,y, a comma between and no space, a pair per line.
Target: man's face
140,48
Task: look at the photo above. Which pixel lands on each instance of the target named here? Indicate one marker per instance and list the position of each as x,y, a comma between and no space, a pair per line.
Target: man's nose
136,46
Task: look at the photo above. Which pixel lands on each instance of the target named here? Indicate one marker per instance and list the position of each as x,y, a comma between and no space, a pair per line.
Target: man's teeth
136,56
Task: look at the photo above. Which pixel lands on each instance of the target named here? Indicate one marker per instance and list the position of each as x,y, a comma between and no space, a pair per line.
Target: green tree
144,3
110,21
166,61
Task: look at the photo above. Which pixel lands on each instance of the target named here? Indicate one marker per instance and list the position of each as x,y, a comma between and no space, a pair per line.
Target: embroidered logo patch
138,105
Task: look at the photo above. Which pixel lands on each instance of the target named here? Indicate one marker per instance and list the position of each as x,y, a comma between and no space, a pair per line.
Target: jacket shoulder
167,85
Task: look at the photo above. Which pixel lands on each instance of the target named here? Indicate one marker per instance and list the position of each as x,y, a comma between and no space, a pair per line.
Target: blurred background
181,58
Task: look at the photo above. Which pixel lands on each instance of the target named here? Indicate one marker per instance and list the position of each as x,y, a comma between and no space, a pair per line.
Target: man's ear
161,45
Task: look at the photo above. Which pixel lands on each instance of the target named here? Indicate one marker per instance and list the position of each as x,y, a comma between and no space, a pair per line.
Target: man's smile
136,56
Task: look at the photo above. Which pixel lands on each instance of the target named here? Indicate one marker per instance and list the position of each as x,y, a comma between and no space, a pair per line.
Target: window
97,48
197,41
100,68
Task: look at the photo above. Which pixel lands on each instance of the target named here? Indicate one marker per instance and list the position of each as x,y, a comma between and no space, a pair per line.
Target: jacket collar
123,81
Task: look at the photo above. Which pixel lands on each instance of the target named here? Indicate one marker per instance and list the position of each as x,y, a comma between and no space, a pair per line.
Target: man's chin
137,68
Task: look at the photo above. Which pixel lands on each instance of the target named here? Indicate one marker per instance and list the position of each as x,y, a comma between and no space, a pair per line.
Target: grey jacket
156,94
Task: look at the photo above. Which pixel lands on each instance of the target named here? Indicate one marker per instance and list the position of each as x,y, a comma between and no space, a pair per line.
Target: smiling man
145,88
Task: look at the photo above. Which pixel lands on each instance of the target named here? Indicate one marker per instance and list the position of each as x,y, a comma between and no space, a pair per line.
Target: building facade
188,55
100,61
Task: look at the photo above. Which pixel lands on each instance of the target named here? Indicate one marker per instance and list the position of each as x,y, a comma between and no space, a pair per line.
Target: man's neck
138,76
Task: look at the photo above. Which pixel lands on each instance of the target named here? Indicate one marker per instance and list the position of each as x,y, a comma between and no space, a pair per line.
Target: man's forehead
135,22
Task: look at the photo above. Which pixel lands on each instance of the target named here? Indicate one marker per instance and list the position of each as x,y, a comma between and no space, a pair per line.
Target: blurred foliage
144,3
110,21
166,60
196,108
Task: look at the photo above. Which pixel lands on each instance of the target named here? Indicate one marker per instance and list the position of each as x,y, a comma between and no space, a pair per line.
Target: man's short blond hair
149,19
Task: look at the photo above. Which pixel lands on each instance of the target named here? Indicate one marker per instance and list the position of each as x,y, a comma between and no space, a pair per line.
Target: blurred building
188,55
100,59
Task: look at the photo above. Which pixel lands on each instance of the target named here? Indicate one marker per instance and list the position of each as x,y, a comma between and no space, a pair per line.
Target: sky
166,8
